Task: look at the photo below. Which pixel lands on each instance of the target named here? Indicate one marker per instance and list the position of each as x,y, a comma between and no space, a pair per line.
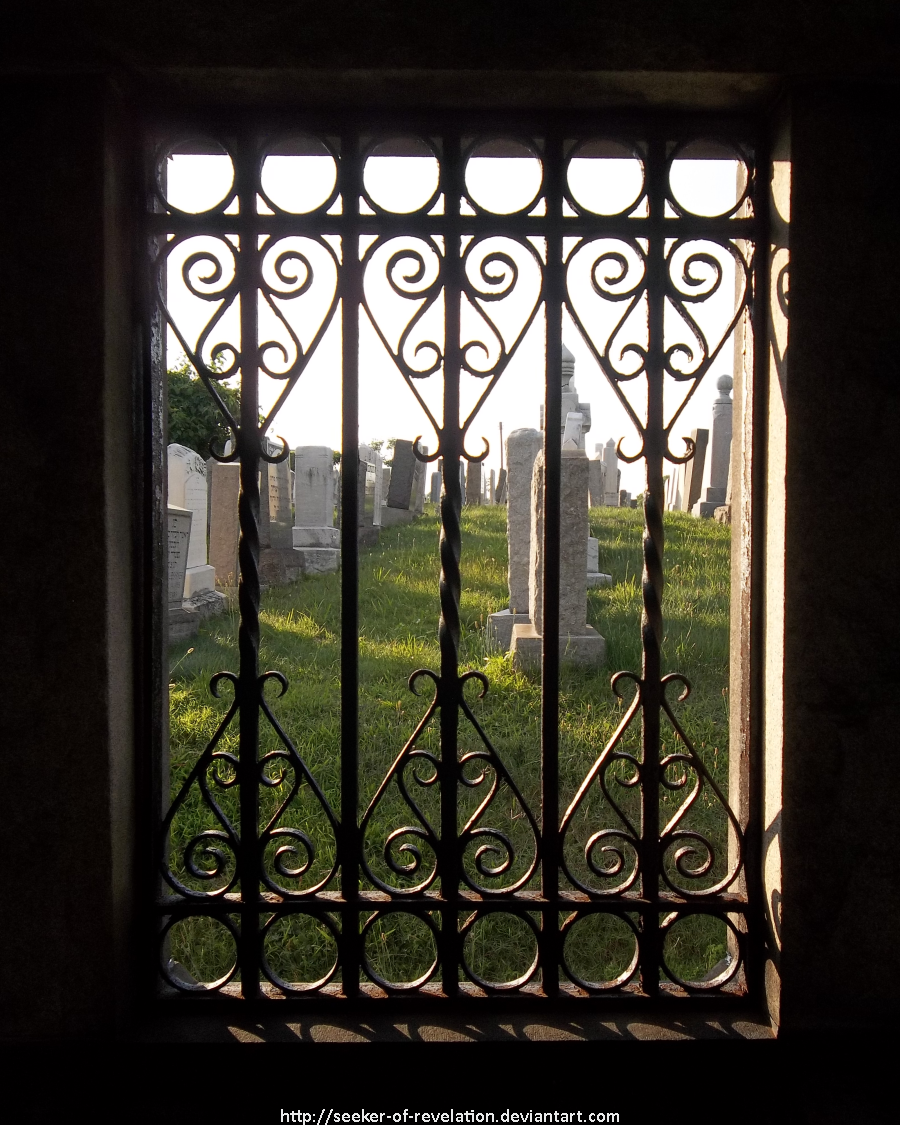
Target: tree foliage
194,418
379,443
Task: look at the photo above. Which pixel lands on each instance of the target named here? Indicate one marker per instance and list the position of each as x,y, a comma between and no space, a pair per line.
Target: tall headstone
406,495
722,422
720,450
316,541
501,492
570,403
473,483
579,643
419,478
224,529
435,493
188,489
693,470
610,475
336,476
178,552
370,482
595,478
722,514
492,488
403,474
399,500
183,619
275,520
522,447
677,494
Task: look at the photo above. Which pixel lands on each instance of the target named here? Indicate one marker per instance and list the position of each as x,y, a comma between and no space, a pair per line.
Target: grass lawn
399,610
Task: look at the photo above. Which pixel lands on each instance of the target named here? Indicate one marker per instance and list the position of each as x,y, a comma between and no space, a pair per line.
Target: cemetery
301,633
501,636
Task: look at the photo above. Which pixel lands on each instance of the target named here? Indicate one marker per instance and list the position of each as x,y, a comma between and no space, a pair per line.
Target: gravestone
419,479
435,494
398,507
693,470
188,488
473,483
183,619
406,495
595,478
336,477
500,494
522,447
723,514
275,519
720,450
316,541
572,430
369,484
579,643
402,476
677,497
595,576
610,475
278,563
491,491
224,528
569,403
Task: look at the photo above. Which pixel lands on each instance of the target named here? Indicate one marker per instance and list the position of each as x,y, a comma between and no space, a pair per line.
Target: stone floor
465,1028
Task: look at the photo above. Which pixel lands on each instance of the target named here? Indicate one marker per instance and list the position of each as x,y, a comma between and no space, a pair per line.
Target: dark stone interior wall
767,36
68,737
841,779
56,816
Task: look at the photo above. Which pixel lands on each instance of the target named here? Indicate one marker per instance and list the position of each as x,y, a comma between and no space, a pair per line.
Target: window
413,885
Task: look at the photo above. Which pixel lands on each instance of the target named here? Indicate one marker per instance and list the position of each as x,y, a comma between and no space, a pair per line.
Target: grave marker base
586,650
499,629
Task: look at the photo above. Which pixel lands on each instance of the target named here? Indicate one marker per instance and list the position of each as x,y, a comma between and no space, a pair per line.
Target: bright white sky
312,414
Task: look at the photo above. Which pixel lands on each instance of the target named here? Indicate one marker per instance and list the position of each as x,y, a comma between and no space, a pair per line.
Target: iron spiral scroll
446,859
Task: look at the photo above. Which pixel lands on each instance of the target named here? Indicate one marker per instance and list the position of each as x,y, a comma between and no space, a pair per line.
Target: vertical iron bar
450,585
758,402
351,288
553,301
652,577
248,441
150,533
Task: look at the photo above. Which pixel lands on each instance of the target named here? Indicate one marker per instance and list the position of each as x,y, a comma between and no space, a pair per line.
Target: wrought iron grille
652,262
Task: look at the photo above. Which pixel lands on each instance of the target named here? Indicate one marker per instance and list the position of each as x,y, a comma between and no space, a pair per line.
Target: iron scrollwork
647,270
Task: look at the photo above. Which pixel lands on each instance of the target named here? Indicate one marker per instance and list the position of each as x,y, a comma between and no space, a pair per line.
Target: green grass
301,628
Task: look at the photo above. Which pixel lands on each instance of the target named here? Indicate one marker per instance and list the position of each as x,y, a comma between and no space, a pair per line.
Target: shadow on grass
399,611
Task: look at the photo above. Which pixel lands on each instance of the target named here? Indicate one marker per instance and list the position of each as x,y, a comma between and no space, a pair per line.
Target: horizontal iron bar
322,904
412,225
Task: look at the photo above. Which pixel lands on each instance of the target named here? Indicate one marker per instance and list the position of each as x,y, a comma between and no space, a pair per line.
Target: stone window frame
755,574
